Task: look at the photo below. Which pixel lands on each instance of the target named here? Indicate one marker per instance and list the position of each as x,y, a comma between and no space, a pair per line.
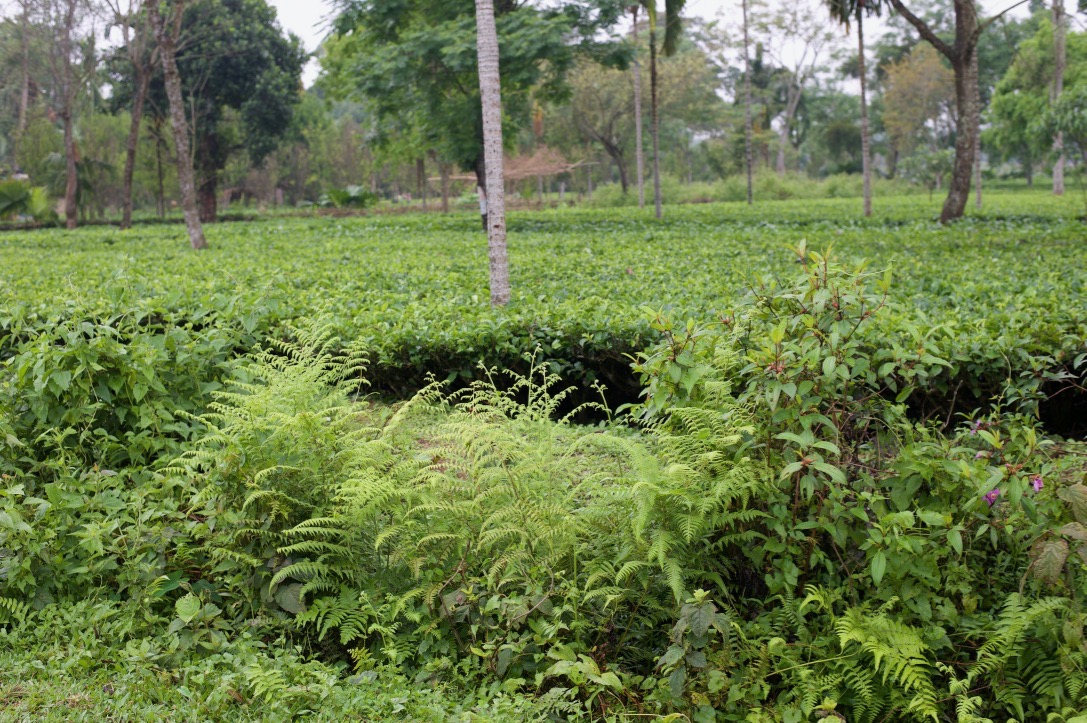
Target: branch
982,27
923,28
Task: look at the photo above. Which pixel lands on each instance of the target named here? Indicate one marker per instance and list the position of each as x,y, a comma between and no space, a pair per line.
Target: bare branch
924,29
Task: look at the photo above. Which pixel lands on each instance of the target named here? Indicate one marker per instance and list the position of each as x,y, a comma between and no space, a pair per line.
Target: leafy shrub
348,197
19,198
805,523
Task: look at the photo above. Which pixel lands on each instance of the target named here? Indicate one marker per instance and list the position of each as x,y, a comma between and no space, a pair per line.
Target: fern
13,611
897,651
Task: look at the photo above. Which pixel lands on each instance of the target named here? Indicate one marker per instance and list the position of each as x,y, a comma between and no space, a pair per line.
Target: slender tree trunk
143,81
976,122
1028,171
71,184
481,191
167,41
490,88
866,153
748,153
1060,58
443,173
67,101
655,130
24,94
420,179
783,139
159,143
639,145
791,105
616,154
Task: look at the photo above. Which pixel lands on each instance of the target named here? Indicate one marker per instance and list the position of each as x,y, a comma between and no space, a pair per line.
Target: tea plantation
770,463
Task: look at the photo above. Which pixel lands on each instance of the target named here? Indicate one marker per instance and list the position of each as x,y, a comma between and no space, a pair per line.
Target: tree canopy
415,60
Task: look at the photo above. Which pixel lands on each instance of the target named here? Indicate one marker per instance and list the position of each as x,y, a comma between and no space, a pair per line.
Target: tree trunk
866,153
207,195
143,80
589,182
792,103
748,153
783,138
961,54
420,174
1028,171
71,184
655,130
481,191
67,100
167,41
966,142
161,200
24,94
977,131
639,146
443,171
490,88
1059,57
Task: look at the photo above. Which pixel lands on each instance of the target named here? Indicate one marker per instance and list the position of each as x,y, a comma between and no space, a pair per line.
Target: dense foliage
831,497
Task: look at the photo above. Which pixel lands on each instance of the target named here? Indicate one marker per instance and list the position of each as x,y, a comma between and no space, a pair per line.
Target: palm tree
490,89
844,11
673,29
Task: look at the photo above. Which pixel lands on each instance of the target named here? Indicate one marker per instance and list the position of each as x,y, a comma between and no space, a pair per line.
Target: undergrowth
767,535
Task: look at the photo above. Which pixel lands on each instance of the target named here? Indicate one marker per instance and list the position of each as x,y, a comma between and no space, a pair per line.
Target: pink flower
980,455
990,497
1036,483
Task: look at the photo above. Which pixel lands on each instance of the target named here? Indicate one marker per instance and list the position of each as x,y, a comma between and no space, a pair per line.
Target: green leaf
828,366
878,566
187,608
289,597
954,538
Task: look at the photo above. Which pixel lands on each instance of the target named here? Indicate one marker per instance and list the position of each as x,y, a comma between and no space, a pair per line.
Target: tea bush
830,494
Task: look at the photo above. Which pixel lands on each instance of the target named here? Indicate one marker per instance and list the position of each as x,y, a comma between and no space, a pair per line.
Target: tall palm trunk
167,41
490,89
639,146
143,81
748,154
655,130
1060,58
866,154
